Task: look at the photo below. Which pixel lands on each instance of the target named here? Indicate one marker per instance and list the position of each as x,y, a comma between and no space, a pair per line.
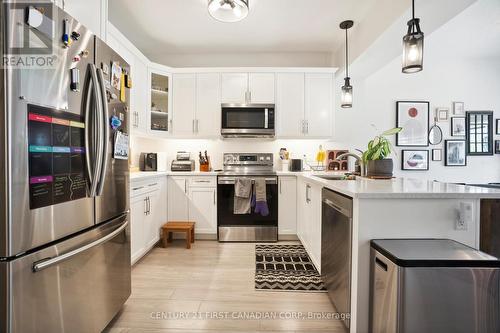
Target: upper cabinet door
319,104
91,13
139,108
184,104
160,113
290,104
261,88
234,88
208,104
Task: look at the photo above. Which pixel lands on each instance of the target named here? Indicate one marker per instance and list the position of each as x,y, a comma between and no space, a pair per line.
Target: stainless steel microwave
248,120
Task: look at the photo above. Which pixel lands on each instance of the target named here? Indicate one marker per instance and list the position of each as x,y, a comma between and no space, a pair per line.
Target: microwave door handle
266,118
46,263
104,130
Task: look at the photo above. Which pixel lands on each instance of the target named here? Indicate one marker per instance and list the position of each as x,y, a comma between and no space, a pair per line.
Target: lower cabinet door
151,230
137,219
178,201
287,214
203,209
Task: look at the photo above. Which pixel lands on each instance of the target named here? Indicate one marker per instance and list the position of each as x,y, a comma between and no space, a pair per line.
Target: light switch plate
464,216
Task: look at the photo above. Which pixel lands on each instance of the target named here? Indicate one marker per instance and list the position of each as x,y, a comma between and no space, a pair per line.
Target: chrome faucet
359,161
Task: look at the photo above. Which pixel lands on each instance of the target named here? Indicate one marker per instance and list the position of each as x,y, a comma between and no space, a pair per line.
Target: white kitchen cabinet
91,13
247,88
290,104
318,104
309,219
203,209
160,100
261,88
137,217
287,210
184,104
178,201
194,198
234,88
208,101
147,214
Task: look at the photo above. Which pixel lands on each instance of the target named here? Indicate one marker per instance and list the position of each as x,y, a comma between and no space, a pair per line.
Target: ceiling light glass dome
228,10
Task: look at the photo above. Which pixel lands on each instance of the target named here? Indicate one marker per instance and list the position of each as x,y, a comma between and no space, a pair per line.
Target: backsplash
216,147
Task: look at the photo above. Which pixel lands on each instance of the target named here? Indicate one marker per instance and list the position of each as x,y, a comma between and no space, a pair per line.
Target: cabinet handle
280,186
193,126
303,127
136,119
185,186
308,187
214,199
307,126
149,205
146,206
154,184
197,126
137,188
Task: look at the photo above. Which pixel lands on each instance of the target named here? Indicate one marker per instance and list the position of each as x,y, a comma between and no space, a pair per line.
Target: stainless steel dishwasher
336,242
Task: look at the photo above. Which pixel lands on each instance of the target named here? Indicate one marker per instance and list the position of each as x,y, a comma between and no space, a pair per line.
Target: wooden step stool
177,226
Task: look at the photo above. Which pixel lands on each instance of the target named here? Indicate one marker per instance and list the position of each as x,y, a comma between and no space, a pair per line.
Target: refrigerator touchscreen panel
56,156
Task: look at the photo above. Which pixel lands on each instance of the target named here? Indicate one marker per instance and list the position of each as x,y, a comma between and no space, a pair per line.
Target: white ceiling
272,26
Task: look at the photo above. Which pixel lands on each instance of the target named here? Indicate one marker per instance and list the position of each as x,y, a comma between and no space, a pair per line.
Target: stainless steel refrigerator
64,188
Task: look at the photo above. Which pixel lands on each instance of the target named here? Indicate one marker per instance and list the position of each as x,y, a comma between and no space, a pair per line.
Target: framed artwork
442,114
458,108
413,117
455,153
497,127
437,154
479,128
497,146
415,160
458,126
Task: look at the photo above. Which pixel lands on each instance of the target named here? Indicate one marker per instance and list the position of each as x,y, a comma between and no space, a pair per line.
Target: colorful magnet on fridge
75,79
115,122
65,38
105,68
75,36
128,81
123,97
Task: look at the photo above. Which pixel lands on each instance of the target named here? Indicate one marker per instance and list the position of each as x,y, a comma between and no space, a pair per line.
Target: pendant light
346,97
413,45
228,10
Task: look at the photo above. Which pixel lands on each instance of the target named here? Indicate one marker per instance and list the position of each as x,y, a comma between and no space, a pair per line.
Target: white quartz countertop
150,174
409,188
364,187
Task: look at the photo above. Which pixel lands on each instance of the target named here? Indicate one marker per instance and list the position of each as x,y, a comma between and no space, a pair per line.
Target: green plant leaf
392,131
376,140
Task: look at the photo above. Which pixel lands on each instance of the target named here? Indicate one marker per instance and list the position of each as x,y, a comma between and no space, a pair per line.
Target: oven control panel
258,159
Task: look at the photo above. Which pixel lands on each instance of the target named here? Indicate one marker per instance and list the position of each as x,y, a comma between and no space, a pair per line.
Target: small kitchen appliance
183,162
148,162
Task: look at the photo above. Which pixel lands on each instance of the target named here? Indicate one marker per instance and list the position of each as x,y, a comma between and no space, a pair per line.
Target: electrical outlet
464,216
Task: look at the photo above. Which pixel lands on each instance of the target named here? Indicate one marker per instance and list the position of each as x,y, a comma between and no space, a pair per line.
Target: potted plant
375,157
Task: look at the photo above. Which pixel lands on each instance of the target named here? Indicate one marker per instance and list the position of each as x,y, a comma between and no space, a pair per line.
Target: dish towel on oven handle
242,196
260,197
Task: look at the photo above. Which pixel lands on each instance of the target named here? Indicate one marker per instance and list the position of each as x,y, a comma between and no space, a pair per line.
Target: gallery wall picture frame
437,155
497,126
455,153
458,108
414,160
442,114
413,117
458,127
497,146
479,129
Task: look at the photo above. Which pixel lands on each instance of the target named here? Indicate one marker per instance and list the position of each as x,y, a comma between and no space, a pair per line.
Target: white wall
217,147
450,74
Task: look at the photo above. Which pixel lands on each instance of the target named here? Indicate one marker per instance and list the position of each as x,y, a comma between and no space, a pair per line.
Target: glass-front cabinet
160,112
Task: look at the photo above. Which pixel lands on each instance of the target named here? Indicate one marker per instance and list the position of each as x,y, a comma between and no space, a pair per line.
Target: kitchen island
396,208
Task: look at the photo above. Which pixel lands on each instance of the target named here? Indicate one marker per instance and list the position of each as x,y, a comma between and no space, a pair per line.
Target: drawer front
144,186
202,181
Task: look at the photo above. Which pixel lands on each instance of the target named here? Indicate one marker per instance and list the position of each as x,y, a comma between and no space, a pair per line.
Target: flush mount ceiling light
413,45
346,98
228,10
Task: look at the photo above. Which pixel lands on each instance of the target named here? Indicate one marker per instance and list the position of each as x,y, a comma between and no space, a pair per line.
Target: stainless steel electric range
252,227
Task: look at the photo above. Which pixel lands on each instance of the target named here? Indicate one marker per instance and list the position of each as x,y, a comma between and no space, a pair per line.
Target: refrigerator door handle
104,130
91,129
46,263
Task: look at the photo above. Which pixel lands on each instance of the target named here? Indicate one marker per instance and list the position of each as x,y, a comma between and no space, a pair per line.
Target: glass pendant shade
228,10
413,48
346,97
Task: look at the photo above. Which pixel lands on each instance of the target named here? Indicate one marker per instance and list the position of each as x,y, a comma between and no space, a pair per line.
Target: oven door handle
232,180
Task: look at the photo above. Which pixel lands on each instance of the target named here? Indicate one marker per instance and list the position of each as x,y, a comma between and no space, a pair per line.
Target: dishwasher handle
342,210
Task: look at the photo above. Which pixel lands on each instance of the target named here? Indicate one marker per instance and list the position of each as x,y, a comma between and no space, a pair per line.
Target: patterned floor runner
286,268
